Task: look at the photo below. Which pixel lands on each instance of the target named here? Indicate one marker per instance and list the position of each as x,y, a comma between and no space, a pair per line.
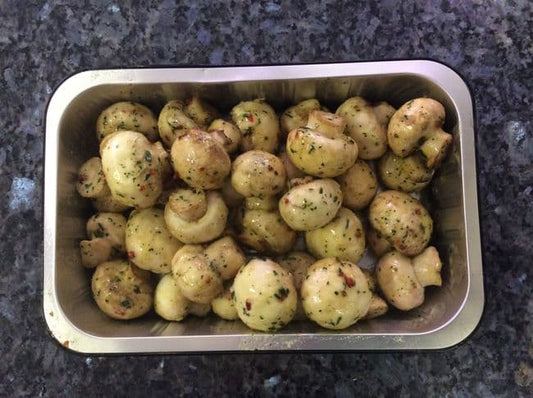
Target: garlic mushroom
127,115
418,125
195,216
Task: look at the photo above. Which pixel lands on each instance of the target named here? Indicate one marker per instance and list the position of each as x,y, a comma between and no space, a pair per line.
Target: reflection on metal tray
448,315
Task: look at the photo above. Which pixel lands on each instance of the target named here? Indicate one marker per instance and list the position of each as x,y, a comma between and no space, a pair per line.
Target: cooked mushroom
200,160
199,110
227,133
321,149
149,243
258,124
121,290
397,280
265,296
335,293
359,185
91,181
225,256
260,226
174,122
310,204
224,306
407,174
195,216
169,302
418,125
343,238
127,116
197,280
427,266
134,168
297,115
258,173
401,220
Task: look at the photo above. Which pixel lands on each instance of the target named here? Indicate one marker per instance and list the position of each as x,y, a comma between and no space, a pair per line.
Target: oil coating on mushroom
417,124
195,216
200,160
321,148
106,239
407,174
174,122
226,256
258,124
265,296
127,116
91,181
397,280
227,133
149,243
402,220
121,290
258,173
359,185
224,306
169,302
343,238
297,115
260,226
310,204
133,168
197,279
335,293
367,127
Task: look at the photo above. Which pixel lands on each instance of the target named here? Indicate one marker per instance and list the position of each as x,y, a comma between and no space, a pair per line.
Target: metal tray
447,317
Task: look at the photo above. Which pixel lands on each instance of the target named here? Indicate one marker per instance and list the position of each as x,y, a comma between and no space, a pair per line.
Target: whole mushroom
195,216
417,124
128,116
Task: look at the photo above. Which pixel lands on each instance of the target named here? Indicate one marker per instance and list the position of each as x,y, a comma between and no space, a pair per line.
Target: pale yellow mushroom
121,290
265,296
200,160
398,282
417,124
297,115
402,220
321,149
227,133
335,293
91,181
258,124
173,122
195,216
359,185
427,266
407,174
127,115
224,306
226,256
169,302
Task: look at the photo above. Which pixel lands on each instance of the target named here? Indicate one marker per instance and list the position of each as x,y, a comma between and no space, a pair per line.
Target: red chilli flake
248,305
202,168
176,176
131,254
418,212
357,234
81,178
142,187
297,134
270,168
349,281
286,200
251,118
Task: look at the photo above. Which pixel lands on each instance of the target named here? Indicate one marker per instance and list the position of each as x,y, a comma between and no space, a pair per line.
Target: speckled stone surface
488,42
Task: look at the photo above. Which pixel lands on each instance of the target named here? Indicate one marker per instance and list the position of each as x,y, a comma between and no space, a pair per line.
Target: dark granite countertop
488,42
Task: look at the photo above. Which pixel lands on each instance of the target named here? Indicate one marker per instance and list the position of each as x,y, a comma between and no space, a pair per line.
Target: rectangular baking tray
448,315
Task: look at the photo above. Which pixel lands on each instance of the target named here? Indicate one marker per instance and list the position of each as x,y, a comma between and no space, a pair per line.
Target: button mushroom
169,302
310,204
258,173
418,124
359,185
260,226
297,115
200,160
335,293
133,168
401,220
265,296
397,280
227,133
321,148
121,290
91,181
407,174
366,126
224,306
173,122
127,116
197,280
149,243
258,124
343,238
195,216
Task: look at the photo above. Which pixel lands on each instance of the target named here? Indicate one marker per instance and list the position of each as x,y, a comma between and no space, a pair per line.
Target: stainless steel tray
448,315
